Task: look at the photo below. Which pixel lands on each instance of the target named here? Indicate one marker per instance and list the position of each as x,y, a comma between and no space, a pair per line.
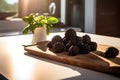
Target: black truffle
84,49
58,47
93,46
73,50
86,39
77,41
65,40
55,39
49,45
68,45
70,33
111,52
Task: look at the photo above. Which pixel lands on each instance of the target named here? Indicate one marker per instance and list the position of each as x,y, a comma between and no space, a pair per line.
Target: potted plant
39,25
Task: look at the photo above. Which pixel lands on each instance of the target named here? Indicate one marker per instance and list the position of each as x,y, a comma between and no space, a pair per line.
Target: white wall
90,6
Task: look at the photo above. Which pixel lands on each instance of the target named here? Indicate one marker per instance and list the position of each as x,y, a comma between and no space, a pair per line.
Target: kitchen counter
15,65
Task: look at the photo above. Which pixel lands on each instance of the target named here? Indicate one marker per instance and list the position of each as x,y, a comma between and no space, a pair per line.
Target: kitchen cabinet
108,17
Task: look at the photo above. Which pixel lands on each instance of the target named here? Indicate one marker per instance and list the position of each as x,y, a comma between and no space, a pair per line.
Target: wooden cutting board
93,61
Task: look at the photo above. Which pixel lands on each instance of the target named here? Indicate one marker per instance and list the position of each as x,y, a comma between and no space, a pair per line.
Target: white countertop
15,65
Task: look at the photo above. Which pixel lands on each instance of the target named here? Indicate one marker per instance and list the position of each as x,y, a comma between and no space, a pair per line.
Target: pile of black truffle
74,45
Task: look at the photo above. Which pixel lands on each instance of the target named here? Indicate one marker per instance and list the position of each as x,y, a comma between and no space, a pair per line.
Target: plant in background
34,21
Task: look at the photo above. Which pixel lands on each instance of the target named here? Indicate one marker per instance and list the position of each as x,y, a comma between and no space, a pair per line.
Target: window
9,6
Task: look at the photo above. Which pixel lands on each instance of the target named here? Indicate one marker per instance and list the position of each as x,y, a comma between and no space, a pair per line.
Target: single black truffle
111,52
55,39
73,50
86,39
93,46
70,33
84,49
58,47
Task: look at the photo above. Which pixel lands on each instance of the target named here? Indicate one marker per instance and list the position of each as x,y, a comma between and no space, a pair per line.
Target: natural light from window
11,1
8,5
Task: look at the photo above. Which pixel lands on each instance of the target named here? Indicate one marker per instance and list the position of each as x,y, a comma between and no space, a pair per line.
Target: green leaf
47,31
25,31
26,19
48,27
44,21
32,28
29,19
52,20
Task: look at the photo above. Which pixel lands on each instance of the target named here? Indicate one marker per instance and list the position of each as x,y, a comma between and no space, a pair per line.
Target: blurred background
90,16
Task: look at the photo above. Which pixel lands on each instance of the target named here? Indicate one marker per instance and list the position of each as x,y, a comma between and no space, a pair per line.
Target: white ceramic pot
39,35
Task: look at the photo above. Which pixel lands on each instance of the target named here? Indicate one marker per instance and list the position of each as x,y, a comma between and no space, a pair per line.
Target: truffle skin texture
93,46
73,50
58,47
68,45
77,41
86,39
55,39
49,45
84,49
65,41
111,52
70,33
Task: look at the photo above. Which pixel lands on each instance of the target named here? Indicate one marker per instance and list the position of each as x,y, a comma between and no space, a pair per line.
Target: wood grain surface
93,61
